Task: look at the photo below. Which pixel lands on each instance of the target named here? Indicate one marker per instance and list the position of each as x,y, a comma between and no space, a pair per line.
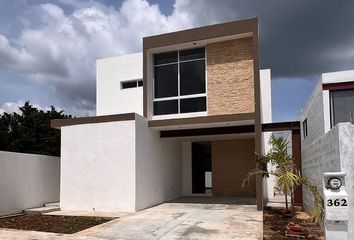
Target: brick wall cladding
231,161
230,76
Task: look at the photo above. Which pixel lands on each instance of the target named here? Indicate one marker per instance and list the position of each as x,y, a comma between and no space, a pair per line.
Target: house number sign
337,202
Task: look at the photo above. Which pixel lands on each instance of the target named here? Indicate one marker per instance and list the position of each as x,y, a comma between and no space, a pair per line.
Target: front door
201,163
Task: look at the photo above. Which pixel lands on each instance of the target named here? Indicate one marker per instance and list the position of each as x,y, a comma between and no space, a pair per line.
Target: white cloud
62,49
11,107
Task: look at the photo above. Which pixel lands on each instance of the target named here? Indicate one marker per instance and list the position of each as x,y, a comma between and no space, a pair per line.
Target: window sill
180,115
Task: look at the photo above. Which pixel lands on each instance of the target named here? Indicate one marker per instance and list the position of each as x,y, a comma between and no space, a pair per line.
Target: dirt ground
55,224
274,226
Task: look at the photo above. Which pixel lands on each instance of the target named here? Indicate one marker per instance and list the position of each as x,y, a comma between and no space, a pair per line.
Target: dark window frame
331,104
138,83
179,96
305,128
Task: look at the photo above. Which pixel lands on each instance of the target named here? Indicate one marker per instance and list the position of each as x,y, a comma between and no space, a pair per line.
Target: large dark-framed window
179,82
342,106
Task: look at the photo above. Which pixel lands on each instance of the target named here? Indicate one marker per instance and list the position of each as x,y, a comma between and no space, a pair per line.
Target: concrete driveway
188,218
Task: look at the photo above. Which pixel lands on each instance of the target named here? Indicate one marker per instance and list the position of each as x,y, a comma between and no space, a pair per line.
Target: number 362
337,202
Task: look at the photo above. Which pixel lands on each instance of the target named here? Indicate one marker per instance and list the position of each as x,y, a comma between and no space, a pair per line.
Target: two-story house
182,118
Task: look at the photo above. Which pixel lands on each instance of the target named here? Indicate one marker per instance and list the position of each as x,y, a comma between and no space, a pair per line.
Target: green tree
288,177
30,131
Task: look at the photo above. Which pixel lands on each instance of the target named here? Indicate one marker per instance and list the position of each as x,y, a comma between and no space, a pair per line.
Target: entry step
42,210
54,204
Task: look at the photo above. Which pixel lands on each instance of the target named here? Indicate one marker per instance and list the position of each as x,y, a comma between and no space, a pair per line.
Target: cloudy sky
48,48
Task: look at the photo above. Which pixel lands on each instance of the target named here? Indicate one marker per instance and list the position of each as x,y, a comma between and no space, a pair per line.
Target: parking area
188,218
185,218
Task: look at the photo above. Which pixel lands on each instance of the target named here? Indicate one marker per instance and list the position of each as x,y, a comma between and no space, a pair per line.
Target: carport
188,218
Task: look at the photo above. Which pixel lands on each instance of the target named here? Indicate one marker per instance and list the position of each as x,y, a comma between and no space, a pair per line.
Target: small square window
129,84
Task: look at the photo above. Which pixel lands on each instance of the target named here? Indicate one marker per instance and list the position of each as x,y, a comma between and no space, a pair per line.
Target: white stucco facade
112,99
338,77
266,95
98,167
120,166
27,181
158,167
125,165
111,72
266,117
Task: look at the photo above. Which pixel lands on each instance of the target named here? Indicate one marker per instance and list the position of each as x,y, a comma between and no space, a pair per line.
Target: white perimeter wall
110,98
332,152
98,167
27,181
158,167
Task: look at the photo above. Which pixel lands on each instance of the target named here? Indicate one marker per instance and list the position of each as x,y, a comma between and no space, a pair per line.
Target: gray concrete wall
331,153
314,113
321,156
27,181
346,151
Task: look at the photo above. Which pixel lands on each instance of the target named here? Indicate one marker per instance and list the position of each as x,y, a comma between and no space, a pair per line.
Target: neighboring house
331,102
328,134
182,118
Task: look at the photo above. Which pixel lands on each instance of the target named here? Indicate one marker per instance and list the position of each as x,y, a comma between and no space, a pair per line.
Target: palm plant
286,173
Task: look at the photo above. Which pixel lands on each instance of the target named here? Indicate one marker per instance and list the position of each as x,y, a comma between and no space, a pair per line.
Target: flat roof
201,33
58,123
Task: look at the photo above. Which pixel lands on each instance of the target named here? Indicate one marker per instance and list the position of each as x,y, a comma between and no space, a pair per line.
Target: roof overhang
280,126
58,123
216,121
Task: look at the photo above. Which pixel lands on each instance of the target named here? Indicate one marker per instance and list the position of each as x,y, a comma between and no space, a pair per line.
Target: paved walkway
277,202
184,218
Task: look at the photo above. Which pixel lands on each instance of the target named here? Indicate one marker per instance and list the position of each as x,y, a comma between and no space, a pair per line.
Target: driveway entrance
187,218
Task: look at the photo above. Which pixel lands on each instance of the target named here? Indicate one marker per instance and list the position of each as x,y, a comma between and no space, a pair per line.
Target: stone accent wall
231,161
230,76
